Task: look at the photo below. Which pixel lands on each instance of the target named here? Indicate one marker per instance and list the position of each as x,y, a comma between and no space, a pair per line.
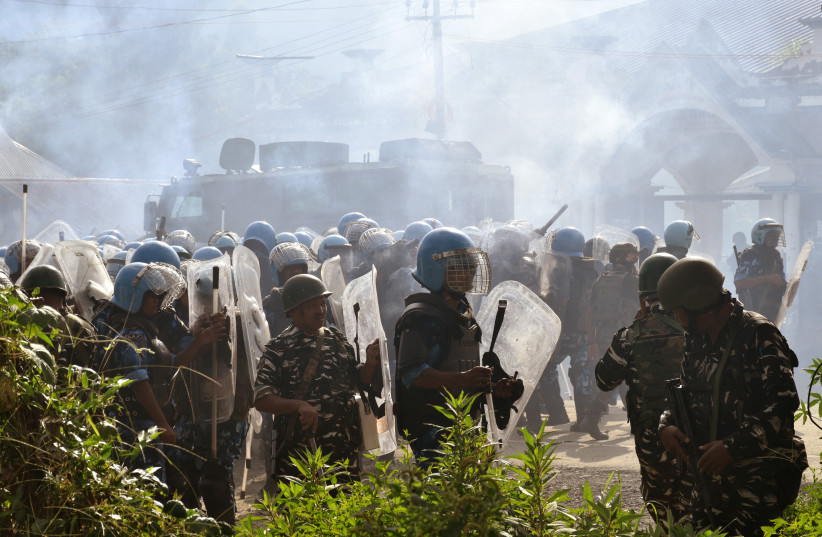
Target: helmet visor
467,270
775,233
162,279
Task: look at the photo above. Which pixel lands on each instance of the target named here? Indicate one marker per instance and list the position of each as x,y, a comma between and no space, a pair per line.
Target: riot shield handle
357,329
503,304
541,231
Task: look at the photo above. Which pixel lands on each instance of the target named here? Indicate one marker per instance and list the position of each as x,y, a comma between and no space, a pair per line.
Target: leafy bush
60,474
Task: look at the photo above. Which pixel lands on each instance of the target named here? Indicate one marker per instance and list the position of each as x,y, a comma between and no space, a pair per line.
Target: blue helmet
346,219
14,254
399,234
763,227
226,243
646,237
289,253
113,240
182,253
568,240
206,252
680,233
182,237
376,239
447,259
285,236
329,244
261,232
115,263
131,245
156,252
114,232
417,230
135,279
433,222
356,228
304,238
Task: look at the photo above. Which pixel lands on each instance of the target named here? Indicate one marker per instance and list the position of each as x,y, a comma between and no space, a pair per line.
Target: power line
166,25
189,10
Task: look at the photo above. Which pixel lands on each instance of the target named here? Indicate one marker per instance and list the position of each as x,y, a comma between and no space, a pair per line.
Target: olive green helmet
44,277
691,283
301,288
650,271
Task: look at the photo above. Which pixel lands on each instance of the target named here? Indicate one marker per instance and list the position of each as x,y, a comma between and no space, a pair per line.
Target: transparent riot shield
554,279
362,329
332,276
215,373
250,303
108,251
44,257
85,273
56,232
793,283
529,333
611,235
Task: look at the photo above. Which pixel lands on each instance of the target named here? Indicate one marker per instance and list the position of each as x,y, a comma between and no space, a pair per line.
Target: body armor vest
416,405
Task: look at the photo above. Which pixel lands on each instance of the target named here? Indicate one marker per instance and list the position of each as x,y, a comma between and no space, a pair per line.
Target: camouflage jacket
644,355
331,393
764,298
756,397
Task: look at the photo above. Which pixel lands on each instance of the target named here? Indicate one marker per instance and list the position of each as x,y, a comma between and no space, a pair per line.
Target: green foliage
471,491
60,471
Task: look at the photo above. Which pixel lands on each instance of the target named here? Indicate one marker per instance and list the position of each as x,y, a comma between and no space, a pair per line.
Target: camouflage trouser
196,475
744,498
660,479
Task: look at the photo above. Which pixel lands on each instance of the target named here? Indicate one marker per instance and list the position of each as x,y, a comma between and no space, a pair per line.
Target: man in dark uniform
437,339
307,378
737,378
760,274
644,355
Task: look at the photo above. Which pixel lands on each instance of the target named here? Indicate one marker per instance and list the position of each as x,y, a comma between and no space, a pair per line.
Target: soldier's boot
218,497
590,422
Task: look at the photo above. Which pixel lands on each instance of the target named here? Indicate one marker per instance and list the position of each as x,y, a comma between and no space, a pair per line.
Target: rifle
737,255
541,231
679,411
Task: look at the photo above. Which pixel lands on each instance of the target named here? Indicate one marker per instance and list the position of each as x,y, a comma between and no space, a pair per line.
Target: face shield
467,270
774,235
163,280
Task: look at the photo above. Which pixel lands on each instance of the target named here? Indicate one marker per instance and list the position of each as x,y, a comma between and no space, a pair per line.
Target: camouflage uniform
195,474
756,401
765,298
331,393
571,305
644,355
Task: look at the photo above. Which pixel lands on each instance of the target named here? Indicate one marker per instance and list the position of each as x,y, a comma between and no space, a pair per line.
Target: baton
215,286
541,231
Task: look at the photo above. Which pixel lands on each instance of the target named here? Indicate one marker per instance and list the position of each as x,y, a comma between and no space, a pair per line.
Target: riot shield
44,257
108,251
332,276
554,279
85,273
526,340
363,291
56,232
212,378
793,283
611,235
250,302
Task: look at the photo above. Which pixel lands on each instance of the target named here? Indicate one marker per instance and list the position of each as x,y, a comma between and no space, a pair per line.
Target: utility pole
437,127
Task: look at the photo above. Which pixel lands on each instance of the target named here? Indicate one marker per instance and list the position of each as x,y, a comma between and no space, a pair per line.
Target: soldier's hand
504,388
715,457
372,351
476,377
309,419
672,439
216,332
168,436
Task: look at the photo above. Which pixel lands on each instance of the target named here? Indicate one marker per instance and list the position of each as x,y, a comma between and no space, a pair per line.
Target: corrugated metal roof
755,33
19,162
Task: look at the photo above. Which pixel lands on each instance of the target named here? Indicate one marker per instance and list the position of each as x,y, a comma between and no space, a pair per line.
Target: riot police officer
760,274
